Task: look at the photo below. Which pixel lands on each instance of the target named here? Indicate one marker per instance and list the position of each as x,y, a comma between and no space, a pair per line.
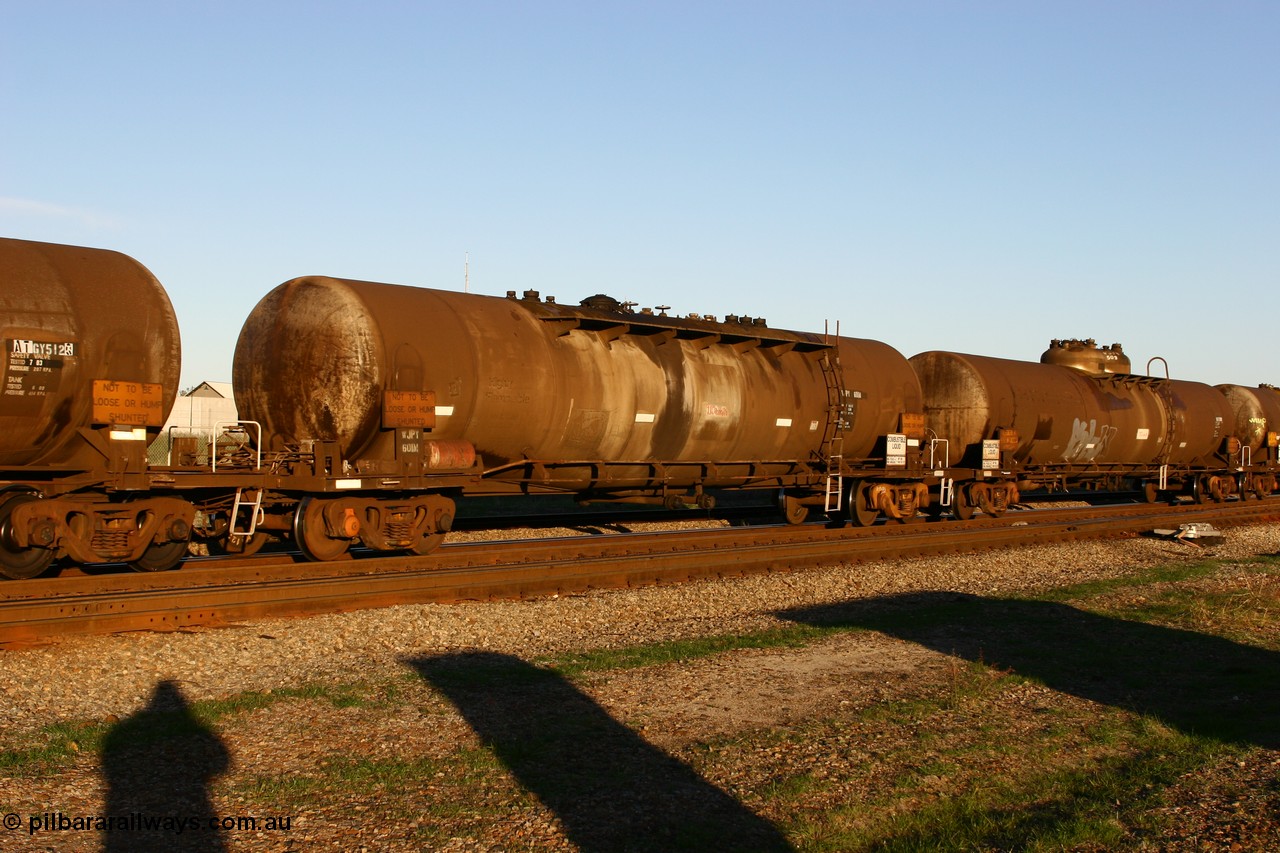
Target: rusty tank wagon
91,361
1078,416
595,400
1257,424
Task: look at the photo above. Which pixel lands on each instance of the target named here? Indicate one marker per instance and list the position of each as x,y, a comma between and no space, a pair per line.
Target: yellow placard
403,409
128,403
913,425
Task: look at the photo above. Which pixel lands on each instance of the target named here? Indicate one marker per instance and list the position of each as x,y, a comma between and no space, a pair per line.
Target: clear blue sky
980,177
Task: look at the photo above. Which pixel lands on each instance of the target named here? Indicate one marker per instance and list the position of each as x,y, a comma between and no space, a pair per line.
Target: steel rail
527,568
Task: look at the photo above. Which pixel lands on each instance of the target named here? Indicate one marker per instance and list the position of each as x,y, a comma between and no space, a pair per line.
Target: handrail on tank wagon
947,485
934,445
257,444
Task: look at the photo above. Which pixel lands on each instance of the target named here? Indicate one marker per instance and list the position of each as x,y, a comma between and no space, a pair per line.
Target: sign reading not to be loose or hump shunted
401,409
139,404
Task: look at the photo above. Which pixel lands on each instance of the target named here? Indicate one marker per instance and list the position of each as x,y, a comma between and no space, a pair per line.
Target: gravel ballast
113,676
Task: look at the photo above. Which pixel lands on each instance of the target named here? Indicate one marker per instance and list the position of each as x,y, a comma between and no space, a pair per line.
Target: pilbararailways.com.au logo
139,822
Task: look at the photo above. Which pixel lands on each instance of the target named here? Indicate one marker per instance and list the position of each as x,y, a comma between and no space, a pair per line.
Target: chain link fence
188,448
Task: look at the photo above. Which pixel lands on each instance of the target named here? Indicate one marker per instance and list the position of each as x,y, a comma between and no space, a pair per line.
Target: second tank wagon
593,398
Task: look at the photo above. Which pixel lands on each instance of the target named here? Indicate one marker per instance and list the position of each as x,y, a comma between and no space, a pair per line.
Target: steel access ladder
833,435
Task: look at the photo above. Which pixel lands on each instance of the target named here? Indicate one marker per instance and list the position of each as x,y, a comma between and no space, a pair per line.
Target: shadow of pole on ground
611,789
1197,683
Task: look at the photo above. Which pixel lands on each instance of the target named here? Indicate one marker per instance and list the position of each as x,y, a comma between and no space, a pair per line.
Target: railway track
203,595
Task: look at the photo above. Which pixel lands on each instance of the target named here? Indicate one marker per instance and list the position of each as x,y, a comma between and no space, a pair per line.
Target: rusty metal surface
68,316
882,388
526,379
31,610
1064,416
1257,413
1202,420
1087,356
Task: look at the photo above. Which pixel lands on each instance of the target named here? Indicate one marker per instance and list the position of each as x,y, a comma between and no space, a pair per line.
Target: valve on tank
1087,357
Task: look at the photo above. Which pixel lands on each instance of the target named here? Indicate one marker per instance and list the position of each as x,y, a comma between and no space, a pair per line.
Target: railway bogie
324,528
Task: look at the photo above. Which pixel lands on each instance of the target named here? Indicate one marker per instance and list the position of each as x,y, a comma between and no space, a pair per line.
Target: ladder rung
255,514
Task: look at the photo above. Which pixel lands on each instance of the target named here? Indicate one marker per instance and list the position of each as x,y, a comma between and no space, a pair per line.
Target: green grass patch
446,796
1245,610
1146,576
62,743
1170,573
57,745
1095,806
1092,782
679,651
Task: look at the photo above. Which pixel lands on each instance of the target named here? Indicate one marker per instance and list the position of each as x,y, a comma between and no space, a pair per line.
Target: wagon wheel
438,523
426,543
987,505
309,533
240,546
962,505
160,556
17,562
1150,492
1197,491
859,513
1205,490
793,512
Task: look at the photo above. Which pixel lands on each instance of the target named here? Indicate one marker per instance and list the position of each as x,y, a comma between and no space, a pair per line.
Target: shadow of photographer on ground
158,765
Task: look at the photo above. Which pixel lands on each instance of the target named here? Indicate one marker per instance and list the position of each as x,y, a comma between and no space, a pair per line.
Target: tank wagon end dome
601,302
1256,412
71,316
309,364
